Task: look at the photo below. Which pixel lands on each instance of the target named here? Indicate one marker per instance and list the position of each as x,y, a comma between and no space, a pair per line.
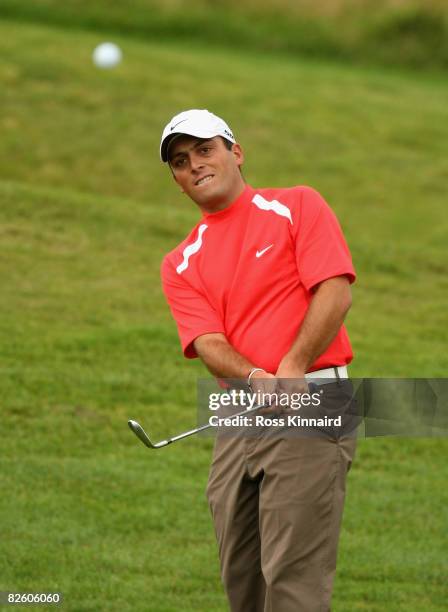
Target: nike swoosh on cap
178,123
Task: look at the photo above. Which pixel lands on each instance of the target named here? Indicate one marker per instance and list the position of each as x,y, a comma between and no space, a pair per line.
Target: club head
141,434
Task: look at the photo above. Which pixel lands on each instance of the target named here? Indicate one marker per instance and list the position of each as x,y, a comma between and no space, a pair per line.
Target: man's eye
206,149
179,163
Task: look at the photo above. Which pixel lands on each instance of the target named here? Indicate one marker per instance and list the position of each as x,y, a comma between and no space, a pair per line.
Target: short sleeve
191,310
321,249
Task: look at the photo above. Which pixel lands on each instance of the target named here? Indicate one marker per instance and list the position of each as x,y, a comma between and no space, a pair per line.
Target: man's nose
196,163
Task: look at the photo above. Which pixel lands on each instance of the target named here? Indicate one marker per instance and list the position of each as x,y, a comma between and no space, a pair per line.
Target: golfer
259,290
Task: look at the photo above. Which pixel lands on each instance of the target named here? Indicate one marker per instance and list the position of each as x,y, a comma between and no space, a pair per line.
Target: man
259,290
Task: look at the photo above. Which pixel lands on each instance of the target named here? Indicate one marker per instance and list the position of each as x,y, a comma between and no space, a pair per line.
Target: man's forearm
322,322
221,358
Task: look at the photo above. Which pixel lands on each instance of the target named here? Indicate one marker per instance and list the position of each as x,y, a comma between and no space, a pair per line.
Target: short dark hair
227,143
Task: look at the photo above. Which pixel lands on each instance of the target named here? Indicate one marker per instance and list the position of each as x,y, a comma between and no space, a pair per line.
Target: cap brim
168,140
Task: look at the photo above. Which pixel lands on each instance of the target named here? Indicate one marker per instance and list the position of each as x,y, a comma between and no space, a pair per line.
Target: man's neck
221,204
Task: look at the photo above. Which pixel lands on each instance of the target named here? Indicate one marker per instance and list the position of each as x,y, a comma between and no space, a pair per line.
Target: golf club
143,436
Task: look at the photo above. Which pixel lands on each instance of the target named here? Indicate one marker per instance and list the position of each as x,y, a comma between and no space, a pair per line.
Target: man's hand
264,384
290,377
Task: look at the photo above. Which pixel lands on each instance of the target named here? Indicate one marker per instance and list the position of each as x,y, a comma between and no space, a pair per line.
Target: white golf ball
107,55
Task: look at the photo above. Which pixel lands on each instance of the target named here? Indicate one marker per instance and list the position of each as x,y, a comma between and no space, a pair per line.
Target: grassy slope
398,32
372,143
87,341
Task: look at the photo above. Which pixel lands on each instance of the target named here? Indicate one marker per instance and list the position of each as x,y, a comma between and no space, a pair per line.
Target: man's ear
238,154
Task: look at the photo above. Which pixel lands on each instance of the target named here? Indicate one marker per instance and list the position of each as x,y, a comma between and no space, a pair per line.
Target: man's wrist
292,366
251,374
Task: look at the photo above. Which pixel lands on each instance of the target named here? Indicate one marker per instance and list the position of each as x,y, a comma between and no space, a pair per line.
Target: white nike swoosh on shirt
260,253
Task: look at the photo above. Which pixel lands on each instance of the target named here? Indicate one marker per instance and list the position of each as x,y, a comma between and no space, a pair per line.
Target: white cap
194,122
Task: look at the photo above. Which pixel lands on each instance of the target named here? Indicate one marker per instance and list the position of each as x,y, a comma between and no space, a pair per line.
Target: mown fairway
87,342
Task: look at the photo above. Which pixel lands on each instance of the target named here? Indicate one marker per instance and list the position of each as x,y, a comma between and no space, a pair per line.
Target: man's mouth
204,179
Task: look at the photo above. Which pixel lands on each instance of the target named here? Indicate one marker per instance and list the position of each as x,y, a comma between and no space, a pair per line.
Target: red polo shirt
248,271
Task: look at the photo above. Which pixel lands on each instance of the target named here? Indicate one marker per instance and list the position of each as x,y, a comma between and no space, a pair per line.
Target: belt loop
338,378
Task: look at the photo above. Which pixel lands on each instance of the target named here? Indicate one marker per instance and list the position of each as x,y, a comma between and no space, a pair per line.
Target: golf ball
107,55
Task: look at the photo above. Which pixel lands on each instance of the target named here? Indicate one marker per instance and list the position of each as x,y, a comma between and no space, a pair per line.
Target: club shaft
142,435
191,432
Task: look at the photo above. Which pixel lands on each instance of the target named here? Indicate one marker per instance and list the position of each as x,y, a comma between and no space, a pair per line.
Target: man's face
207,171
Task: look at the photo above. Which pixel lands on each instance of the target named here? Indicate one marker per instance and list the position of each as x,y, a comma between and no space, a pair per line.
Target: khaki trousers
277,504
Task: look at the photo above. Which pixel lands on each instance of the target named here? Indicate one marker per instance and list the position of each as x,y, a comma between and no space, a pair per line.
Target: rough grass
87,342
410,33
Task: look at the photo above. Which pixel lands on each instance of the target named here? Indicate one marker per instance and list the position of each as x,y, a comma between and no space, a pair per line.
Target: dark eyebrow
202,142
198,144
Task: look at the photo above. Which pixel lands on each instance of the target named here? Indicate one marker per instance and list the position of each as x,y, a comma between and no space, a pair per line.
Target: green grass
409,33
87,213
